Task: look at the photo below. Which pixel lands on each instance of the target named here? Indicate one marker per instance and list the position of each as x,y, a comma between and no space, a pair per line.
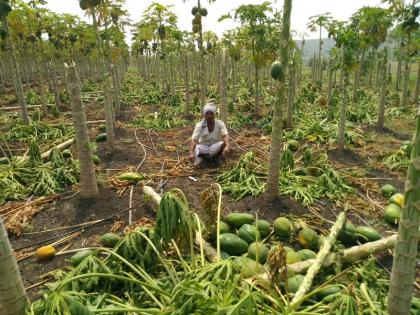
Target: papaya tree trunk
202,66
88,184
40,80
42,92
302,64
406,75
272,189
313,69
378,72
343,115
2,79
372,65
405,254
398,79
115,82
384,81
16,73
320,73
330,82
416,91
341,80
54,82
109,116
223,88
291,96
321,257
106,86
257,91
357,77
233,82
187,105
13,298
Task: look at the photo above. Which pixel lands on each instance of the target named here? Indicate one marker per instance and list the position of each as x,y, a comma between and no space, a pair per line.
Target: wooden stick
87,123
38,284
12,108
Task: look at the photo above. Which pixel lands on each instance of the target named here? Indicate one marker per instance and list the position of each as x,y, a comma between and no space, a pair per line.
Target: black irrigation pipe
79,229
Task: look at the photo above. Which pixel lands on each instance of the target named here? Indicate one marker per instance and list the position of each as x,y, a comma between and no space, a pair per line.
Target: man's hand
226,151
191,157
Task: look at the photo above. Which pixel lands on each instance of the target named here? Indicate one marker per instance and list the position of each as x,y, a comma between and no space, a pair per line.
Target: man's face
209,116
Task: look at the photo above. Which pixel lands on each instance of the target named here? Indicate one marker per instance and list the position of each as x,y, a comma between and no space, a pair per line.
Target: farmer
210,139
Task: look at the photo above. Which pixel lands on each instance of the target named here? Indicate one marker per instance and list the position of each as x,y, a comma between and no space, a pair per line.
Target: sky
301,11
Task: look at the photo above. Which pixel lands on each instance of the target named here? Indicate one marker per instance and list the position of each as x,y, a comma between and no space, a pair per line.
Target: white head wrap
209,107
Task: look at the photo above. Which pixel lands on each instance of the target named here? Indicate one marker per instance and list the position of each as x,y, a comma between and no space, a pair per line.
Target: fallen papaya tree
349,255
209,251
320,259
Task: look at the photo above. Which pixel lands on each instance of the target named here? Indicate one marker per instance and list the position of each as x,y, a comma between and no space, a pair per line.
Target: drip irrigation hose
78,229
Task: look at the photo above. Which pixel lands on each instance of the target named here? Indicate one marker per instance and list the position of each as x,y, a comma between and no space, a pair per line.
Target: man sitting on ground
210,139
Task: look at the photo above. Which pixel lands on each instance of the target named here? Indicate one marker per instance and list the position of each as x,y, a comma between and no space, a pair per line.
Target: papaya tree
113,19
230,42
292,78
278,70
5,9
210,43
184,46
44,26
302,38
348,41
91,7
88,183
199,11
410,29
32,15
383,89
405,253
372,24
417,88
159,18
254,37
13,298
316,24
223,86
142,48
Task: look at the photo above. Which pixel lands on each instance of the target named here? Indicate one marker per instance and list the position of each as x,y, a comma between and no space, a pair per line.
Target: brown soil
346,157
393,133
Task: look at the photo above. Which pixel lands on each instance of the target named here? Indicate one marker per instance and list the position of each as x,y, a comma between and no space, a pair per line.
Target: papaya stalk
320,258
16,71
13,298
384,81
404,264
417,90
223,88
276,143
88,184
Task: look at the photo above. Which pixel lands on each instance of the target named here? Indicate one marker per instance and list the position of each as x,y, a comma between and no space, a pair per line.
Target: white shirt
203,136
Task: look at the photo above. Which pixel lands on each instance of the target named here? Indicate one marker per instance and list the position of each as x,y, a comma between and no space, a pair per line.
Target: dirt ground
167,167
